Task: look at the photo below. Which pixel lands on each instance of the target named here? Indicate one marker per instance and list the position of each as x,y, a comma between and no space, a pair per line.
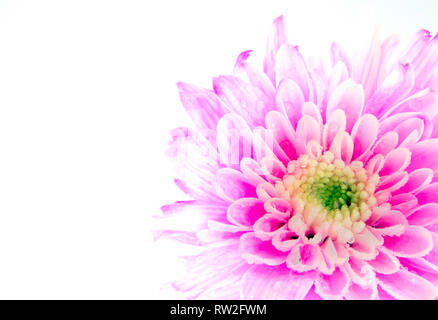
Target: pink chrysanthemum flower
310,183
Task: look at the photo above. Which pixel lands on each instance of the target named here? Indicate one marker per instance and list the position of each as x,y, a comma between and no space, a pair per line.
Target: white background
87,96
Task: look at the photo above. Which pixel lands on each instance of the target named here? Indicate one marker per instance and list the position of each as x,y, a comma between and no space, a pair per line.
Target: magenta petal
257,251
392,223
233,185
424,215
406,285
425,155
385,263
349,96
245,211
332,286
263,282
276,39
403,202
414,242
428,194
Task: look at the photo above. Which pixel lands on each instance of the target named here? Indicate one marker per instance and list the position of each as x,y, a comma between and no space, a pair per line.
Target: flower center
327,192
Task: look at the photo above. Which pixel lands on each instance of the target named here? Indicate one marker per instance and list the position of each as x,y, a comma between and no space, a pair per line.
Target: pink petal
385,263
393,89
304,257
307,129
349,96
290,64
284,240
257,251
403,202
393,182
356,292
364,246
266,191
337,54
310,109
432,256
245,211
263,144
279,207
385,144
335,124
424,155
360,272
243,98
290,100
234,140
364,134
396,161
424,215
276,39
267,226
252,171
418,179
342,147
233,185
202,105
414,242
332,286
257,78
410,131
428,194
283,134
375,164
338,75
392,223
407,286
262,282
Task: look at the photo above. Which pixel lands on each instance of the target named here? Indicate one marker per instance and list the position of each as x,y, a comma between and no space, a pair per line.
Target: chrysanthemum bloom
310,183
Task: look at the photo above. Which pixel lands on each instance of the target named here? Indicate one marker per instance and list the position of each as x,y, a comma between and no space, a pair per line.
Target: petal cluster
312,181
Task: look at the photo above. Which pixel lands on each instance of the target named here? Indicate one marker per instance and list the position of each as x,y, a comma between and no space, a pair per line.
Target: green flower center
333,193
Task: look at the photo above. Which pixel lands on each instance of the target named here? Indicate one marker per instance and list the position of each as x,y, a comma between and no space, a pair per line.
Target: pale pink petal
359,272
364,246
424,215
290,100
385,263
283,133
338,75
410,131
290,64
414,242
266,191
406,285
393,182
396,161
251,74
375,164
394,88
418,179
243,98
337,54
348,96
234,140
385,144
268,225
425,155
284,240
392,223
432,256
202,105
304,257
245,211
310,109
262,282
256,251
277,37
332,286
307,129
342,147
252,171
232,185
279,207
335,124
364,134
